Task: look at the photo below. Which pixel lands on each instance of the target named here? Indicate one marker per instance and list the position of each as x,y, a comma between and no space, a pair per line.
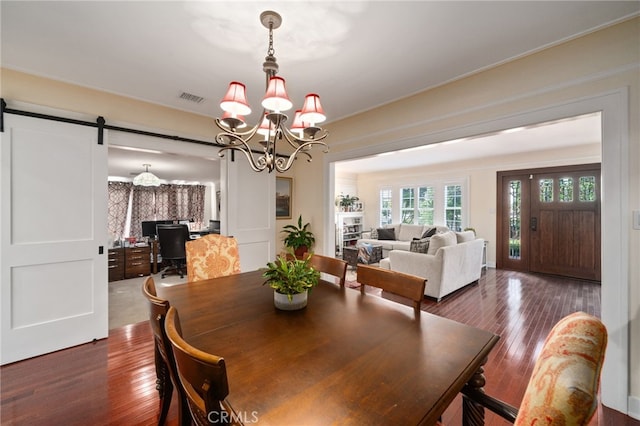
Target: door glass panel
546,190
565,194
587,188
515,203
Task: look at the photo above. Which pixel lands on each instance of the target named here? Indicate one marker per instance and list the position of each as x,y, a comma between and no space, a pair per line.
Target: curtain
167,202
118,205
142,208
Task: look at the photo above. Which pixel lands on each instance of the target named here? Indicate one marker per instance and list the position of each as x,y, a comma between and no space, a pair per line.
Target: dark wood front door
549,221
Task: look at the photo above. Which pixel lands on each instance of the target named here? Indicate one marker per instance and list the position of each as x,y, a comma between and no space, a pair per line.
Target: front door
549,221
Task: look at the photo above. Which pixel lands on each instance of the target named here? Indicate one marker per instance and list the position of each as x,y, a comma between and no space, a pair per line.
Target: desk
346,358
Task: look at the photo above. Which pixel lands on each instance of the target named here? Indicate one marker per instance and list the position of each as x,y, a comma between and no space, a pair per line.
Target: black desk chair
172,239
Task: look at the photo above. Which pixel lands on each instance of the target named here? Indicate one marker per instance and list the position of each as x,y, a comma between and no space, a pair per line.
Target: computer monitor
214,226
149,227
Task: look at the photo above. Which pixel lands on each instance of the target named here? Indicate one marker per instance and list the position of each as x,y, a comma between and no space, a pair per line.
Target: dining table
346,358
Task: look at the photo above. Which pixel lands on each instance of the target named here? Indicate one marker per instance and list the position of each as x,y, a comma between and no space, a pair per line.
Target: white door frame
614,106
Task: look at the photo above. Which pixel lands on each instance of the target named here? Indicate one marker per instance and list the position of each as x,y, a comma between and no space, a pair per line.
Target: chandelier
303,133
146,178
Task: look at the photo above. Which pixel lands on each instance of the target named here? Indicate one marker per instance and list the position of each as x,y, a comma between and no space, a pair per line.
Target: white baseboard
634,407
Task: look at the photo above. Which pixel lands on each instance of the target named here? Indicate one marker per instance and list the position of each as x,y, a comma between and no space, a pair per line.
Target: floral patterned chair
563,388
212,256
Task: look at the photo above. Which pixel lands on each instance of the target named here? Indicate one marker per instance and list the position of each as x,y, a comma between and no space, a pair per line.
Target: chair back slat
409,286
331,266
203,376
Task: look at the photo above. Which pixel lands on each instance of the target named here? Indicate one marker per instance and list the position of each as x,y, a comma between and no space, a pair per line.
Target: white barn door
248,211
53,208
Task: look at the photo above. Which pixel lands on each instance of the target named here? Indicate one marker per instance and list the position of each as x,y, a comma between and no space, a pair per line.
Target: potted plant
299,238
346,202
291,279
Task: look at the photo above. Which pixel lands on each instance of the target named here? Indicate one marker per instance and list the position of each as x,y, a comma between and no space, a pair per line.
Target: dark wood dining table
346,358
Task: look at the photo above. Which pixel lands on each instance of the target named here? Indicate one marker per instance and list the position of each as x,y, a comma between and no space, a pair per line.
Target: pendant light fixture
302,136
146,178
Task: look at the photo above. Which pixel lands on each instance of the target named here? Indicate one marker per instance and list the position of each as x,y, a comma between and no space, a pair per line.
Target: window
435,203
453,207
587,187
565,193
546,190
425,205
385,207
408,205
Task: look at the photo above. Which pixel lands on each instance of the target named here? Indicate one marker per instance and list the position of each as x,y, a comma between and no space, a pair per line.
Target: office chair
172,239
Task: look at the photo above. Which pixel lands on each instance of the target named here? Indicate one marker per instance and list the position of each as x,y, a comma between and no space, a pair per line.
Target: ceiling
355,54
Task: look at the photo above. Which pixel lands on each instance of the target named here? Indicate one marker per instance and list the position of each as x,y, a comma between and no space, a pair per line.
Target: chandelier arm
249,133
258,166
296,141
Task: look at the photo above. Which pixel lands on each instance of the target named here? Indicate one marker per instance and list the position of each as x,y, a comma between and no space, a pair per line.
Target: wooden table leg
473,413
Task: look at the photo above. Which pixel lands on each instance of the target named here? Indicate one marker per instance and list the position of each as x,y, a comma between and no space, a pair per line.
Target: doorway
548,221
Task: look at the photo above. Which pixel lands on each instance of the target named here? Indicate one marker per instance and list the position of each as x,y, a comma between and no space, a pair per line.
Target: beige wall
597,63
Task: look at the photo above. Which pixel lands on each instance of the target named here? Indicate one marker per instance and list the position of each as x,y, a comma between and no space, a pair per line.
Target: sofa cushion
429,232
442,240
463,237
420,246
408,232
386,234
401,245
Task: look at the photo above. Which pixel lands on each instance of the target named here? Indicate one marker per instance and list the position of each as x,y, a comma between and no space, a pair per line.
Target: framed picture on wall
284,194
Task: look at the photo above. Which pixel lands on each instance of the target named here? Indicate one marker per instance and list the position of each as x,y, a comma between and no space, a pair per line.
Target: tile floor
127,305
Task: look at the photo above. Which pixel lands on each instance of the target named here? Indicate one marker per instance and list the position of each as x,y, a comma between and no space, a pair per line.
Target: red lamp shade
235,101
276,98
312,111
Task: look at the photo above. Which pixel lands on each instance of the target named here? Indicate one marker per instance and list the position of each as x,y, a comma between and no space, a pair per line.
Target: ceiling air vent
191,98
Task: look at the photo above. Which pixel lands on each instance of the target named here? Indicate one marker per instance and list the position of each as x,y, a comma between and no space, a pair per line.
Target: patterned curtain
142,208
118,205
167,202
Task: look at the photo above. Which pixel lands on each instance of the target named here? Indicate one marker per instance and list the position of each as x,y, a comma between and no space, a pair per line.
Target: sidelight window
515,219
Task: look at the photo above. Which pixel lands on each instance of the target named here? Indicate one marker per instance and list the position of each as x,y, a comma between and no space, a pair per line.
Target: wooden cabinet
137,261
116,264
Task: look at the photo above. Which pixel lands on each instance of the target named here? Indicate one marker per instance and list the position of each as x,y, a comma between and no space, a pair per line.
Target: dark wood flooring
112,381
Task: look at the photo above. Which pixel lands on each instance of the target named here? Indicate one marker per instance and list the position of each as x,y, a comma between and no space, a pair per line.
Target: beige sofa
453,260
404,234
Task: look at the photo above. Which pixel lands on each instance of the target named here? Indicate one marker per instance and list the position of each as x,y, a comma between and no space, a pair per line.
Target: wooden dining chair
331,266
166,375
212,256
203,377
409,286
563,388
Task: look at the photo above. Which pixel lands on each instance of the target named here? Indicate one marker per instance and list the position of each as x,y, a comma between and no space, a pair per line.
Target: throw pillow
419,246
386,234
374,234
465,236
442,240
429,232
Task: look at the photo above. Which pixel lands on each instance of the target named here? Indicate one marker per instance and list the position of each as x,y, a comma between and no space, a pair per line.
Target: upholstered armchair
212,256
563,388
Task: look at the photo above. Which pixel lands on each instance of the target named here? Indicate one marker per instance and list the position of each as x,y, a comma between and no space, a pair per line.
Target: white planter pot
298,301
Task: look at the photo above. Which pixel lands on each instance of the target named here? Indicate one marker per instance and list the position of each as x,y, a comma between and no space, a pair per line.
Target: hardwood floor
112,381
